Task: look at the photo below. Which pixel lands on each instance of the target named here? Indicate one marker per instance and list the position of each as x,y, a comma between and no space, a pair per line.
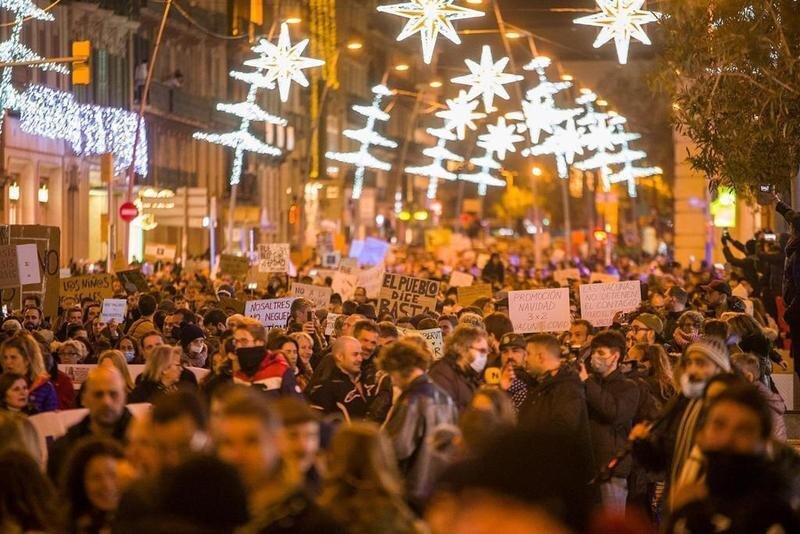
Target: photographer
791,276
749,264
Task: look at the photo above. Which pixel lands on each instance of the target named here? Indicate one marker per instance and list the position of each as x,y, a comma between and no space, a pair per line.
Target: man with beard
742,490
665,445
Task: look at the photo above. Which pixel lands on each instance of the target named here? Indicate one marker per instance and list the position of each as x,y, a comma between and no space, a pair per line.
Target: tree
732,68
514,203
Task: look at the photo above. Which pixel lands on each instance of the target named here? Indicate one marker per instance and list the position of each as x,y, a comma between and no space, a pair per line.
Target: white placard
28,261
348,265
459,279
344,284
330,322
114,309
435,341
373,252
273,258
562,276
603,277
539,310
271,312
371,280
600,302
319,295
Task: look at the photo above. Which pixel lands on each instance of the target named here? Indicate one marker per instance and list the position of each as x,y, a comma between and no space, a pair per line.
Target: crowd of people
668,419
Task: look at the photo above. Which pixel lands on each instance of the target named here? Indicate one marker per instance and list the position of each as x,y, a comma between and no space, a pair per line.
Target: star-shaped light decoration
564,144
439,153
487,78
620,20
429,18
501,138
460,114
283,62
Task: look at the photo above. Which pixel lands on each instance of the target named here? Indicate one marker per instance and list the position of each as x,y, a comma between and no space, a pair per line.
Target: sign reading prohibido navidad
406,296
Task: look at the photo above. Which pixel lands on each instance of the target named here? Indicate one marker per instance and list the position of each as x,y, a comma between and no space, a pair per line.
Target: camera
770,237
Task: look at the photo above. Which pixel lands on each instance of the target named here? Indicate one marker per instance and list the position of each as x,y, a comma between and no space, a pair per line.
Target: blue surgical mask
129,355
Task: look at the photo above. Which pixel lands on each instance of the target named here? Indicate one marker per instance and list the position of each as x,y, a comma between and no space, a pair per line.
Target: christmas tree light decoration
283,62
248,111
487,163
435,171
620,20
564,144
430,18
627,157
460,114
487,78
501,138
629,174
366,136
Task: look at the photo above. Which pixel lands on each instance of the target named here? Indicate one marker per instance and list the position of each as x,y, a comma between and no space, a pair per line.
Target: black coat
296,514
145,391
460,384
612,403
338,394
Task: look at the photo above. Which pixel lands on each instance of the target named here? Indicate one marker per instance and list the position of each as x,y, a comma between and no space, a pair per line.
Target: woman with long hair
161,374
130,350
659,375
21,354
363,488
27,498
117,359
14,393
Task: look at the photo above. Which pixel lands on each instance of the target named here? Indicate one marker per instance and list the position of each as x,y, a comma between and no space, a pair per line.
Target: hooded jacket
460,384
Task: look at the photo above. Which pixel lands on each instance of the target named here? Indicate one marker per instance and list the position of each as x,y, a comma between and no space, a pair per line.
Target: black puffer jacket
459,383
419,410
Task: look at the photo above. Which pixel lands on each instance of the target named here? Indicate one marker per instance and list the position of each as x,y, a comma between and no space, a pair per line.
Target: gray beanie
714,349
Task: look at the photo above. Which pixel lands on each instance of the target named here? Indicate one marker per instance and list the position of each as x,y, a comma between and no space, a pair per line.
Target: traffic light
81,71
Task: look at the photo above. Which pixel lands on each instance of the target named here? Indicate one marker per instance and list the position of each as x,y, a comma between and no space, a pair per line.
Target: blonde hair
30,351
118,360
159,359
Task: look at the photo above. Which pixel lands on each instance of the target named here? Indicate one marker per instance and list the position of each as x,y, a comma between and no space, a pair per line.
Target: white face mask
479,363
129,355
691,390
600,365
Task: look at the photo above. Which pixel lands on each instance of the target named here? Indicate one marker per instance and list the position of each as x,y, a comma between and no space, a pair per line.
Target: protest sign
320,296
9,268
273,258
47,240
344,284
600,302
322,274
114,310
330,322
348,265
603,277
28,263
230,305
406,296
373,252
467,295
435,341
132,281
539,310
563,276
94,286
331,259
234,266
355,248
159,252
459,279
271,312
371,280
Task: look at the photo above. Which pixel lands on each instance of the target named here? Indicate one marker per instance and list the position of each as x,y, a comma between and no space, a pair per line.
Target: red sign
128,211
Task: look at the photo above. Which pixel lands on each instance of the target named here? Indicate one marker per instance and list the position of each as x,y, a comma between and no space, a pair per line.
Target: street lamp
355,45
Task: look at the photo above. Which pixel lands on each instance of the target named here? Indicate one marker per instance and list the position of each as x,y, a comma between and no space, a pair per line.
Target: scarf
683,339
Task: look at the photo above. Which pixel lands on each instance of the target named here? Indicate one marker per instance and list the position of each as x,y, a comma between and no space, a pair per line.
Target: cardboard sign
47,240
373,252
94,286
348,265
344,284
467,295
133,281
273,258
331,259
355,248
435,341
600,302
539,310
459,279
28,263
563,276
271,312
231,306
330,323
320,296
235,266
406,296
604,278
159,251
114,309
9,268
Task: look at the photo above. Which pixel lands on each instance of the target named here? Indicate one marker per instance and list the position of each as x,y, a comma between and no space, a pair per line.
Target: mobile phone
309,316
252,285
5,309
765,192
770,237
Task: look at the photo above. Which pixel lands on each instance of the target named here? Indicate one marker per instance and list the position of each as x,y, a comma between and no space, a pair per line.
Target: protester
257,366
22,355
300,443
161,374
459,372
28,501
14,393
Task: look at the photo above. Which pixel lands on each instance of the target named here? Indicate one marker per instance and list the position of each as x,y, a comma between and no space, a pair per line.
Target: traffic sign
128,211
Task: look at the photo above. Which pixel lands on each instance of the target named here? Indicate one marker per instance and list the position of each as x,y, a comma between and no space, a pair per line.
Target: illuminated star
500,139
620,20
460,114
564,144
487,78
540,115
429,18
283,63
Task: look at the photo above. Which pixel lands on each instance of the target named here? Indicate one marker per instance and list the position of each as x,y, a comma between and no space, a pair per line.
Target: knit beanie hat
190,332
714,349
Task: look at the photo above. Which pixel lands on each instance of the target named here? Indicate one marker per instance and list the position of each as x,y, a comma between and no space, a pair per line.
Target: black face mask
250,359
730,473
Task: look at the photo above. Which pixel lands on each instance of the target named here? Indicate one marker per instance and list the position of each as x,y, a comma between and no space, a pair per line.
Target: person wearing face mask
257,366
612,400
666,446
742,491
193,342
460,371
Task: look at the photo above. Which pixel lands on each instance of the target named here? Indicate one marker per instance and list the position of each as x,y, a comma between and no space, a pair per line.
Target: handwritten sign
603,277
371,280
355,248
94,286
235,266
159,251
47,240
344,284
331,259
330,323
28,263
114,310
563,276
539,310
133,281
271,312
273,258
600,302
459,279
406,296
373,252
435,340
9,268
348,265
467,295
320,296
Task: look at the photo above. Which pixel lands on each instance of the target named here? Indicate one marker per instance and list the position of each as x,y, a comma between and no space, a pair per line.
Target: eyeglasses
480,350
637,329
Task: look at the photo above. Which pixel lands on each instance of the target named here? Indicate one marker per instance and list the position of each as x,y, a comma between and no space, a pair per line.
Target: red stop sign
128,211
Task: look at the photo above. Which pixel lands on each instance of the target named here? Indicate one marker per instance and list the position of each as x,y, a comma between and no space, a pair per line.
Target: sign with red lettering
406,296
